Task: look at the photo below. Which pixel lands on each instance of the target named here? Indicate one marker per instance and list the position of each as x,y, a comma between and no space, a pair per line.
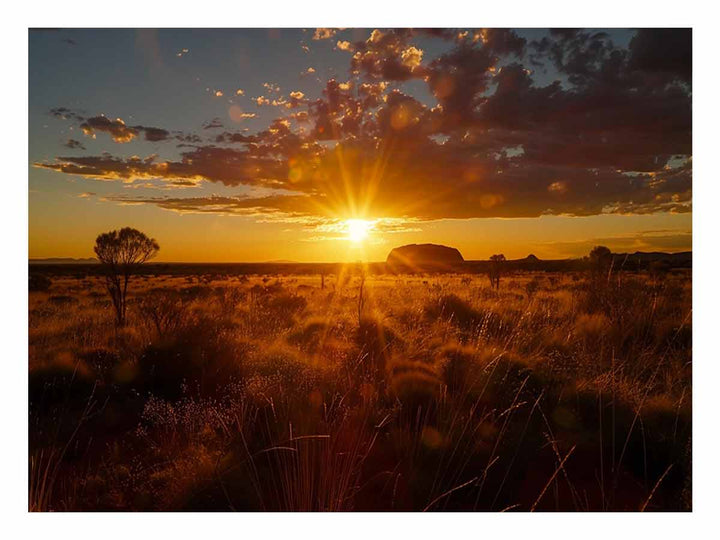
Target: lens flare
358,229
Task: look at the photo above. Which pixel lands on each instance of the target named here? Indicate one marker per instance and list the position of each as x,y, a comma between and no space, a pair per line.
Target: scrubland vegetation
556,391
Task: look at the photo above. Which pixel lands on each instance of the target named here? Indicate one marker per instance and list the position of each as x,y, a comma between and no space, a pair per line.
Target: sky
339,144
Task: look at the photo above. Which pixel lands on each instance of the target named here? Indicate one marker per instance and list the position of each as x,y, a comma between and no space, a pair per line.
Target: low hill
424,257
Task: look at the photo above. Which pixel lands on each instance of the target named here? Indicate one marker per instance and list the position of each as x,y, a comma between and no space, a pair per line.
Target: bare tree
495,269
121,253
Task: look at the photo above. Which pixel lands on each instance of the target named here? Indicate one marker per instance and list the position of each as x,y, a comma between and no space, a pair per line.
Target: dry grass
430,393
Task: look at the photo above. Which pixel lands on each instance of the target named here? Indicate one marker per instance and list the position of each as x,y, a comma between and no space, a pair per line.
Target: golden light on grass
358,229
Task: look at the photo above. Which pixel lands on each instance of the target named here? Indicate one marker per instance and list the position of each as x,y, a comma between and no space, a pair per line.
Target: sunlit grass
282,393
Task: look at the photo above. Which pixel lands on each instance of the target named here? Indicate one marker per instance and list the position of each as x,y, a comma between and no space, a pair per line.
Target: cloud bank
613,133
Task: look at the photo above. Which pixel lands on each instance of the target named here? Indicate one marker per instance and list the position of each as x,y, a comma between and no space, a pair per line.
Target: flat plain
353,391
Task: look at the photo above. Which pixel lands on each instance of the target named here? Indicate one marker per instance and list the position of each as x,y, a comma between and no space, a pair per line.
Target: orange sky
257,145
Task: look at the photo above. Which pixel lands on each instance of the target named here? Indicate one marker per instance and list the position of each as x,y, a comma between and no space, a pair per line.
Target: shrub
312,334
591,327
201,360
453,308
459,367
272,309
376,340
416,385
62,300
39,283
66,381
164,310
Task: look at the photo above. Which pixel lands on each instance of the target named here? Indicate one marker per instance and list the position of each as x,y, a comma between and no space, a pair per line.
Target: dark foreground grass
556,392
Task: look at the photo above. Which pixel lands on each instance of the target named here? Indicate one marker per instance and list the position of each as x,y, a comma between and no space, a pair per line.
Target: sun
358,229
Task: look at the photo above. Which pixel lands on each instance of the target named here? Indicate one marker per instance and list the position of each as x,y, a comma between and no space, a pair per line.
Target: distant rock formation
424,257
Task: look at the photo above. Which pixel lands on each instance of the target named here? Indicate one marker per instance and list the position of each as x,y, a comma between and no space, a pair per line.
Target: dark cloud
74,144
666,51
612,136
188,138
119,131
502,41
215,123
154,134
387,55
228,137
63,113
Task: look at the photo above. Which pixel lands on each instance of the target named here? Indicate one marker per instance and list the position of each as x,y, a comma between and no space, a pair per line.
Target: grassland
559,391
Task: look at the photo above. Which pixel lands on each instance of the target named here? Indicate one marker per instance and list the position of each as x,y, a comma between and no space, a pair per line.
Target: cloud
63,113
236,114
611,135
215,123
215,204
154,134
387,55
665,51
324,33
117,129
74,144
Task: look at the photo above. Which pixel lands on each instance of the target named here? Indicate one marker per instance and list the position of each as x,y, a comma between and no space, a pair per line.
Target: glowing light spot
558,187
401,117
238,115
358,229
490,200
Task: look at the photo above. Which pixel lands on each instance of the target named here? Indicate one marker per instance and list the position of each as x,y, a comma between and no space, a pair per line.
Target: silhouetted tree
495,269
121,253
601,259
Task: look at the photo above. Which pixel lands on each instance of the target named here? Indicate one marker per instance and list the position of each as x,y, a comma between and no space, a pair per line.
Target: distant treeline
625,262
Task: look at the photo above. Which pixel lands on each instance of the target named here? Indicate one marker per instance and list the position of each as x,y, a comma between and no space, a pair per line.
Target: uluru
424,257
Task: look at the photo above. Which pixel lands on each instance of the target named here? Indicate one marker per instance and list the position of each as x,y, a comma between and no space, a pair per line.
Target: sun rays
358,229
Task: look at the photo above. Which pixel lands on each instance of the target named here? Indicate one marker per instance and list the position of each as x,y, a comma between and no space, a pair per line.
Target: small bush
201,360
453,308
164,310
376,340
39,283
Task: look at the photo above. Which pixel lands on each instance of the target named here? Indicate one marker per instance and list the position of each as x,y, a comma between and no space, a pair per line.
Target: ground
559,391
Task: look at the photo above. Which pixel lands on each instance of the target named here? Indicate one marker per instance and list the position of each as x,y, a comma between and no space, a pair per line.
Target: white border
382,13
